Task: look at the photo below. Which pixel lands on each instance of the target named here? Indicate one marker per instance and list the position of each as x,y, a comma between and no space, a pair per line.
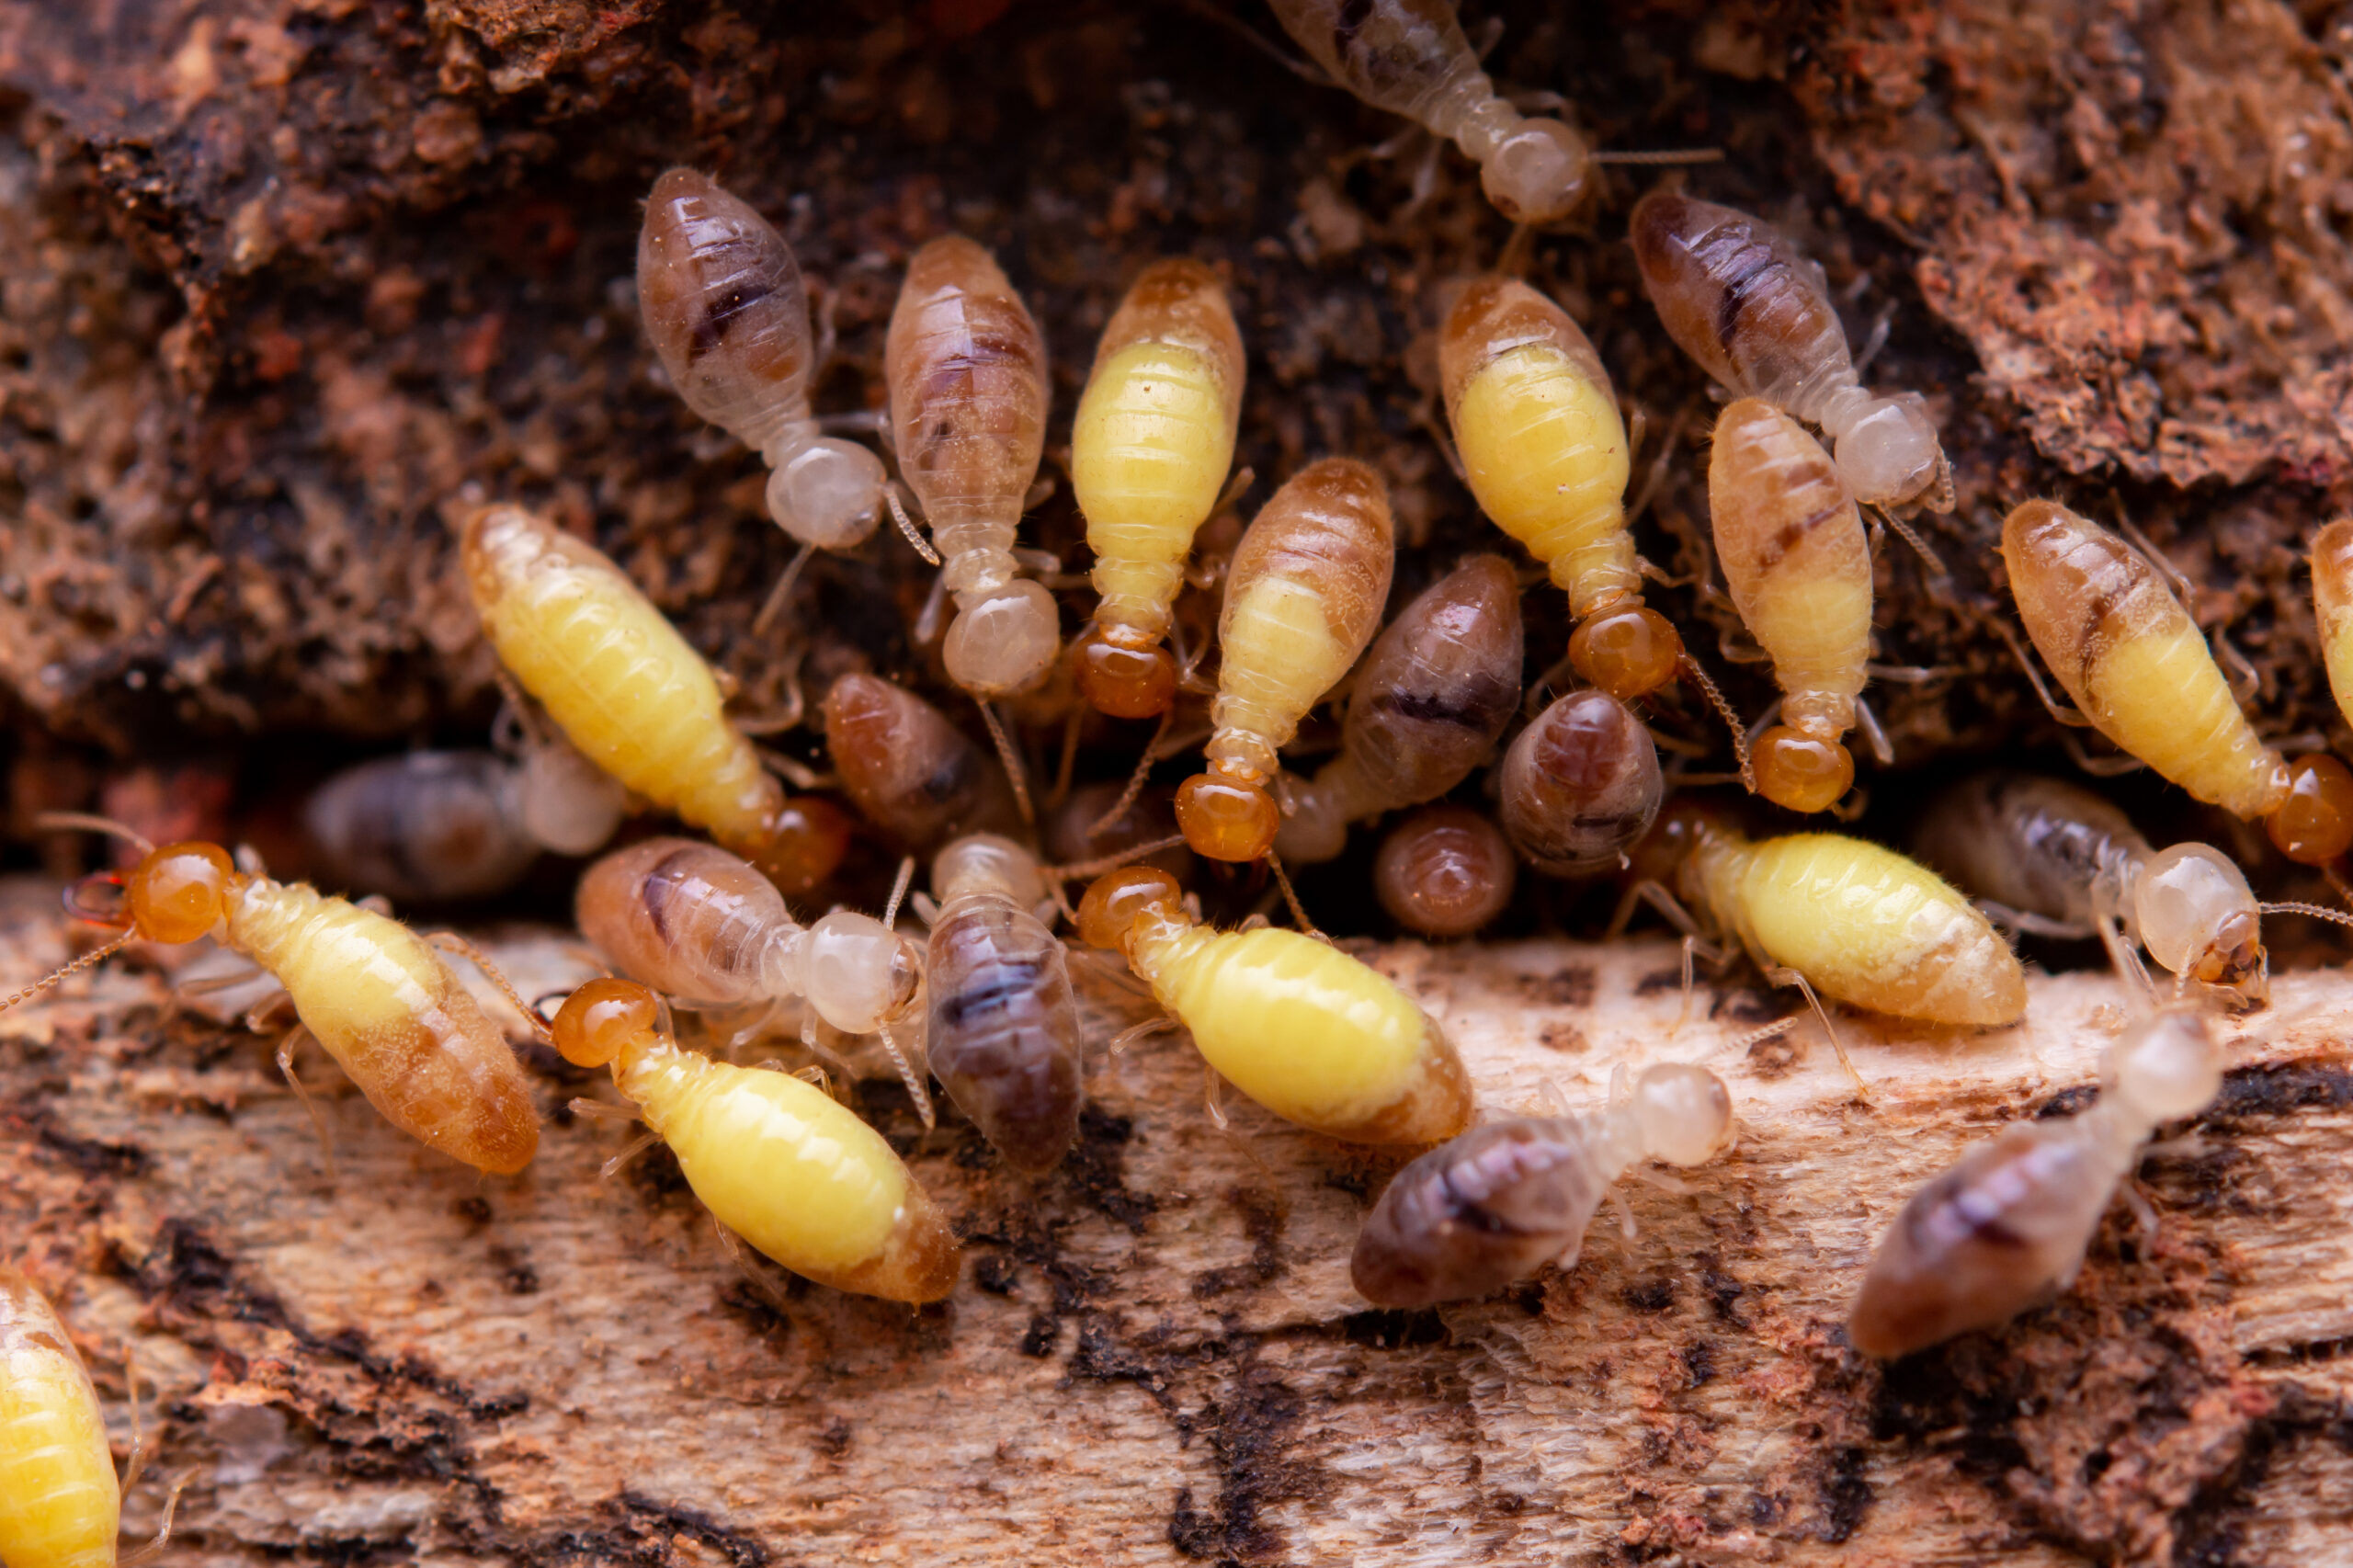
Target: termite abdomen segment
1464,1220
914,775
1580,786
688,919
421,828
1444,871
61,1506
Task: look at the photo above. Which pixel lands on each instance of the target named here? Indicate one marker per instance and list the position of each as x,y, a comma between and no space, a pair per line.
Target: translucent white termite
722,300
1410,57
1003,1039
2005,1228
1503,1200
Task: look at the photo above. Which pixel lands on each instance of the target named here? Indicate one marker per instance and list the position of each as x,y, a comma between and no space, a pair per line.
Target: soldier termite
641,704
1580,786
1425,707
1148,454
2139,671
1311,1034
1501,1202
435,826
721,298
2005,1228
1302,597
1737,297
1791,540
371,991
1003,1036
776,1161
911,772
1444,871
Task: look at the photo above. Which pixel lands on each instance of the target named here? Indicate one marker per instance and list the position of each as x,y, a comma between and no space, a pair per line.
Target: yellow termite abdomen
1862,924
59,1504
1148,454
2135,663
1791,539
2333,607
633,697
776,1161
1302,598
1309,1032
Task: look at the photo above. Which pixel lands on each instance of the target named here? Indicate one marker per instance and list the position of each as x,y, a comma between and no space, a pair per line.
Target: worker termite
1444,871
1004,1037
1737,297
439,827
721,298
641,704
371,991
2140,672
2006,1227
61,1504
1503,1200
1410,57
1424,708
706,929
1148,454
1310,1033
1302,597
911,772
1794,557
2332,562
776,1161
1580,786
967,373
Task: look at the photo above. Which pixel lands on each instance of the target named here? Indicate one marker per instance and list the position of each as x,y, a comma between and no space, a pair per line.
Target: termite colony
1074,757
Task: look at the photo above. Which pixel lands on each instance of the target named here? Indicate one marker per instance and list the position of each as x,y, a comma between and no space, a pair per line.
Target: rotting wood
1156,1356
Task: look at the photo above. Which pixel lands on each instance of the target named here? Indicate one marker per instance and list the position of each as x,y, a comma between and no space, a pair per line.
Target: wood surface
1154,1355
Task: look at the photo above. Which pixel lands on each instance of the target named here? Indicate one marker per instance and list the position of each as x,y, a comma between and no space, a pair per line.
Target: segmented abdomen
59,1504
687,919
1004,1028
1149,453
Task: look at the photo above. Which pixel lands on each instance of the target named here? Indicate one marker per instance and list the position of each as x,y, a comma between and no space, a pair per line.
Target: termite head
1680,829
1888,452
566,803
2167,1066
2197,917
829,494
1538,174
1227,817
1802,772
1684,1112
861,974
985,862
1123,677
1004,643
179,893
602,1020
1629,651
2315,824
801,843
1119,899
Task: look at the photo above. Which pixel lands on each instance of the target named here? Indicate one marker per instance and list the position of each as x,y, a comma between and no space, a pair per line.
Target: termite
705,929
1302,597
907,768
967,373
1503,1200
1791,540
1737,297
371,991
776,1161
1580,786
1148,454
2006,1227
1410,57
2332,562
2139,671
441,826
721,298
1004,1038
1444,871
615,676
61,1504
1425,707
1307,1031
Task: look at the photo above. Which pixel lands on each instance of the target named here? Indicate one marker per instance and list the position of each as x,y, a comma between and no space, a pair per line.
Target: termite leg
1780,975
286,1050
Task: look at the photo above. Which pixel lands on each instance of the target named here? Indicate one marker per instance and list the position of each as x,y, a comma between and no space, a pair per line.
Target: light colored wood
413,1360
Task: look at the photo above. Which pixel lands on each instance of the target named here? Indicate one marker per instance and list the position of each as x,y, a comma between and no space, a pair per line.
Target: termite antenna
899,890
1013,771
1691,672
1291,897
450,942
2318,911
95,955
782,592
63,822
1076,870
1920,548
1662,156
907,526
1128,796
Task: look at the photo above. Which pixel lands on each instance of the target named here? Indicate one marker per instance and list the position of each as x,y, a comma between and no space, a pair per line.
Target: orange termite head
1226,818
179,893
1123,679
1673,836
602,1020
1119,899
800,845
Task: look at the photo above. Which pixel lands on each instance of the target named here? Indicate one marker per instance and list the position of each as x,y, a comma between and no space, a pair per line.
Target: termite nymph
721,298
1425,707
1311,1034
2138,670
1503,1200
2006,1227
434,826
2332,562
1004,1038
1791,540
1302,597
1444,871
1148,454
911,772
775,1160
1580,786
1737,297
371,991
615,676
967,373
1410,57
